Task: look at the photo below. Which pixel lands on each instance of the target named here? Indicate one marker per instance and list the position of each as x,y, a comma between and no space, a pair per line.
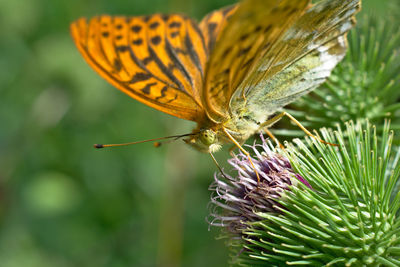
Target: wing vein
178,63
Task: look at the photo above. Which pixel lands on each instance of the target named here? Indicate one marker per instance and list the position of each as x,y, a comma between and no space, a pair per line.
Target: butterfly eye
207,137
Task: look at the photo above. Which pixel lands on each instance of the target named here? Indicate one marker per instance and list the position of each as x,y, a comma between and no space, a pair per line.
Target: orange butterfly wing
213,23
158,60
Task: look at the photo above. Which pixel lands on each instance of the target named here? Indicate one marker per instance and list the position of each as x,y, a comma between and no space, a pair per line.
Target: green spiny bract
348,215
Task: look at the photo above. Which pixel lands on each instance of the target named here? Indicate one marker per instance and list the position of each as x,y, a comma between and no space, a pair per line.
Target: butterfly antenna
156,144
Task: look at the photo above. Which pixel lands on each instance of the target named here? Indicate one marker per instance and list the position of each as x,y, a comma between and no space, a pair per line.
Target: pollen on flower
238,198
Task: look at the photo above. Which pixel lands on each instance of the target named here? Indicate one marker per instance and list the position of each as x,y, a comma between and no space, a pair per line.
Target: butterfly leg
244,152
272,136
279,116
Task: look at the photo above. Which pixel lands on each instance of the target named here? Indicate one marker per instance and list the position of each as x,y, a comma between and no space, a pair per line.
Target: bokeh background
63,203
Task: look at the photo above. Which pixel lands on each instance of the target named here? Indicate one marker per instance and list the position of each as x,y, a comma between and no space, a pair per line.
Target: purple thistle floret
237,200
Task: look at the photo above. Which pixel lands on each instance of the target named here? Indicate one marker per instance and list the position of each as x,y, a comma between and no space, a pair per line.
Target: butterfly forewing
158,60
213,23
299,61
249,33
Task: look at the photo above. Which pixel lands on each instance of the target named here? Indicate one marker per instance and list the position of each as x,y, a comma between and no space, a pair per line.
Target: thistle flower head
238,199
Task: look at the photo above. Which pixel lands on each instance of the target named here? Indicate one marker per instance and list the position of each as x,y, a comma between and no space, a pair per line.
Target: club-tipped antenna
158,144
175,137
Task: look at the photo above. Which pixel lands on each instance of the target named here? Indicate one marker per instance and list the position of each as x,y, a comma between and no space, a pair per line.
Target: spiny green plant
343,212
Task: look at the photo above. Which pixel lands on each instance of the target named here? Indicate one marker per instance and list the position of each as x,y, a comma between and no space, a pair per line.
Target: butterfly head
205,140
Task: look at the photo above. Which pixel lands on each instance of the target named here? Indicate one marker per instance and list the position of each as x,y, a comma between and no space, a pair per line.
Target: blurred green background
63,203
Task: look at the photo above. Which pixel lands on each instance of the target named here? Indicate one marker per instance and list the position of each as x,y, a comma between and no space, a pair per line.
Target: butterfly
231,72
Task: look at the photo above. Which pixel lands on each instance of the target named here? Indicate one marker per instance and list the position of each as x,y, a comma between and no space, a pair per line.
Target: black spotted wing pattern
158,60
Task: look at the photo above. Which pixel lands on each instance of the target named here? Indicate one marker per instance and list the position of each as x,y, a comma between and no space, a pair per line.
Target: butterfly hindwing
299,61
249,33
158,60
